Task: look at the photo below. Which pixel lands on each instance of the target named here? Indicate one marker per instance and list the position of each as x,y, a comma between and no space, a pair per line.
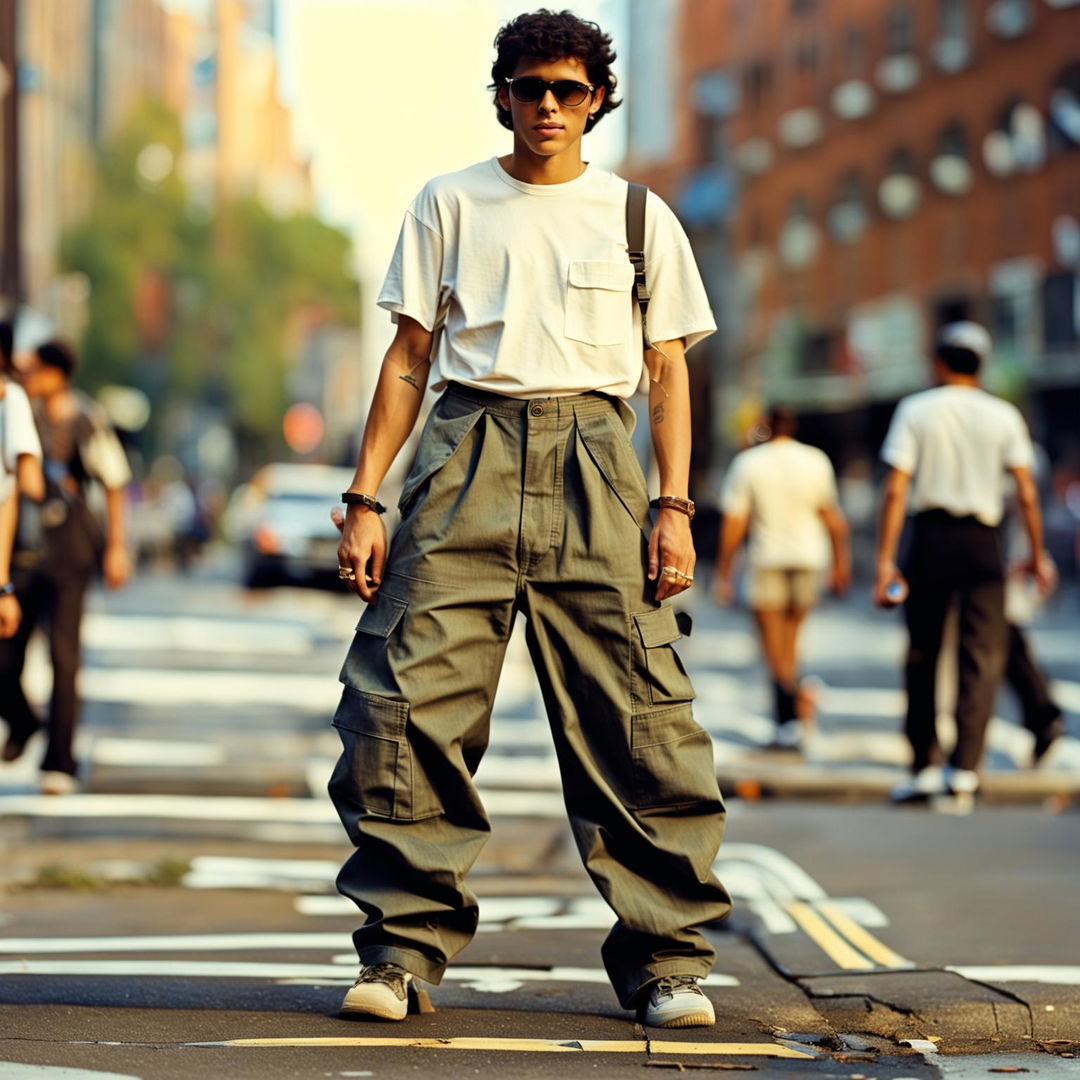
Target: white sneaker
962,781
959,795
382,990
925,784
58,783
789,735
677,1001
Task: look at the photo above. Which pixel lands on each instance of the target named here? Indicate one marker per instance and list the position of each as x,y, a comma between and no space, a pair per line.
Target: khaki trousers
539,507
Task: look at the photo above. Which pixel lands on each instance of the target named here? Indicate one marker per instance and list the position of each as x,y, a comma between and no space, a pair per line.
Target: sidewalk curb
873,783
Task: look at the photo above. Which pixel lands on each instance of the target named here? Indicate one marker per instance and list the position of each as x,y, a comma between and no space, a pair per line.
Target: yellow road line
550,1046
843,954
861,938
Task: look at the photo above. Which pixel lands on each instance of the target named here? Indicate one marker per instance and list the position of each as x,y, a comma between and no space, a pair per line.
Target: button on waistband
537,410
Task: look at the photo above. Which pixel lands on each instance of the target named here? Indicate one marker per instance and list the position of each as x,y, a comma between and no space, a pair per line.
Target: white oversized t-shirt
18,434
530,284
782,486
957,442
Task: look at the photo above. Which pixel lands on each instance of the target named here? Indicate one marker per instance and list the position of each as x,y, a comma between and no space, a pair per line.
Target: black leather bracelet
7,589
351,498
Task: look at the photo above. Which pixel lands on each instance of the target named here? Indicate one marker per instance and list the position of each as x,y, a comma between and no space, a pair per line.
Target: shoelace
672,984
390,974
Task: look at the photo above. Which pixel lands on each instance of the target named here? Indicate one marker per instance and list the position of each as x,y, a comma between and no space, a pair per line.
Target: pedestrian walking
783,494
52,576
511,280
20,470
1040,713
949,450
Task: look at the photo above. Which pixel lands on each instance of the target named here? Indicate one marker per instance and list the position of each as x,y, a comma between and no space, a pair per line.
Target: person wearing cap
950,450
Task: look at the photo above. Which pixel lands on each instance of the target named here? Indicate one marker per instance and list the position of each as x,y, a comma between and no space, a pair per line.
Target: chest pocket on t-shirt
598,308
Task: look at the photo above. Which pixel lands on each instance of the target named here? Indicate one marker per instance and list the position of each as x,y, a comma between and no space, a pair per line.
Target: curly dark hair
551,36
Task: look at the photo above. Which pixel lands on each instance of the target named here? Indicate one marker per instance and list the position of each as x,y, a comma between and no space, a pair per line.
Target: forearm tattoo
658,413
410,376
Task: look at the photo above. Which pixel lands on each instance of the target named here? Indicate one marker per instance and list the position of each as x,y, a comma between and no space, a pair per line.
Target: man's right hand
362,548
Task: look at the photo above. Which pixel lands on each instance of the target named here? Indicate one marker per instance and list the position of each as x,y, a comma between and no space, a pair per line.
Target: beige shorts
772,589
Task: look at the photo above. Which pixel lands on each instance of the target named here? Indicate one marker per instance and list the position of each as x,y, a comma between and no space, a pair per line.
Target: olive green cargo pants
539,507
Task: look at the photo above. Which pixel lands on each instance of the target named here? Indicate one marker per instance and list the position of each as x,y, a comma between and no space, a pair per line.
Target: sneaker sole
379,1012
689,1020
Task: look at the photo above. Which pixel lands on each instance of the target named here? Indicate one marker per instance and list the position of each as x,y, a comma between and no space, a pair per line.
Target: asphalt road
178,918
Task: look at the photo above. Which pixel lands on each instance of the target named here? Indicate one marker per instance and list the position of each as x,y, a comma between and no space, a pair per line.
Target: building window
799,238
1010,18
850,211
1018,141
808,55
757,81
1065,109
950,167
1061,305
854,50
900,30
952,48
900,191
898,72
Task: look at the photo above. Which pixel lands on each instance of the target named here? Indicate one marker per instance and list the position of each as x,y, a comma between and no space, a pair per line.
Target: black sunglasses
529,88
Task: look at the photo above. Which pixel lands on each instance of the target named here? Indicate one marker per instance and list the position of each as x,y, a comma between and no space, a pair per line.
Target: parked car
281,519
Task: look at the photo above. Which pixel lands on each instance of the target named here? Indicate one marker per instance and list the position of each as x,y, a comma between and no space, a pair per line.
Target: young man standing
949,450
783,493
511,279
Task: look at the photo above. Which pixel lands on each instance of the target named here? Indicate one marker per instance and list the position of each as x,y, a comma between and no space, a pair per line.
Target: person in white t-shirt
783,493
511,290
20,472
950,450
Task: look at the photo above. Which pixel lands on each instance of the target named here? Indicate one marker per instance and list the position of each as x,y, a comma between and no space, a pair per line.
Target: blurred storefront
853,173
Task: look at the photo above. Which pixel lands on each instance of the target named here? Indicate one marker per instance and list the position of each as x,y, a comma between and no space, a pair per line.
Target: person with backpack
513,294
55,567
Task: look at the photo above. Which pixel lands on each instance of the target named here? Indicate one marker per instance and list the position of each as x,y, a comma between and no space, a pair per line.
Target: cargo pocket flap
617,276
657,627
381,617
371,714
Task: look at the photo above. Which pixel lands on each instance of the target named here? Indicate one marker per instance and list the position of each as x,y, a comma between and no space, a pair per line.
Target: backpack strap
636,194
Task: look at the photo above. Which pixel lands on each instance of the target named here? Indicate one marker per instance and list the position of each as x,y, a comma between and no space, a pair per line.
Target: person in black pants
950,449
53,571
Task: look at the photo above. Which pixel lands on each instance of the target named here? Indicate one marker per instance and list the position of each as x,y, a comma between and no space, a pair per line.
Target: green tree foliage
240,282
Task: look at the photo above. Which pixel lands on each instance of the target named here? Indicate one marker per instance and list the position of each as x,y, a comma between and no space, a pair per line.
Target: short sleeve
102,454
735,494
829,495
413,281
20,432
1019,453
679,306
901,447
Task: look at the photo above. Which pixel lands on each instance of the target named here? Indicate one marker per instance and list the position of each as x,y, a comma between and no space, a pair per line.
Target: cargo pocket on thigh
375,774
657,674
672,759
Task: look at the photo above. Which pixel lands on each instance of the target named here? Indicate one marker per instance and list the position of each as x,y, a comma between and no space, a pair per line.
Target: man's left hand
117,566
671,554
10,615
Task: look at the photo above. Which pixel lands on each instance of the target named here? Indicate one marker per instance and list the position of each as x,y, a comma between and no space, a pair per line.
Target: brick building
855,172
